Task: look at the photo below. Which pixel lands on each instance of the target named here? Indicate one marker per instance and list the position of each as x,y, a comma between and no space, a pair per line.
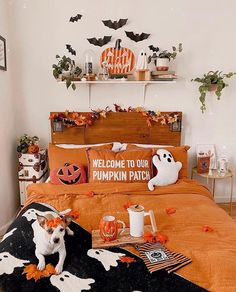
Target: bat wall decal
115,24
70,49
154,49
99,42
75,18
137,37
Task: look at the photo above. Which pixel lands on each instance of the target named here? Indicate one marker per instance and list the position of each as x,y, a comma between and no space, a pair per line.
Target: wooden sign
118,60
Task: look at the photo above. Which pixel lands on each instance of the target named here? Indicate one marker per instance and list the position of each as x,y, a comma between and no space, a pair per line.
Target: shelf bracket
144,93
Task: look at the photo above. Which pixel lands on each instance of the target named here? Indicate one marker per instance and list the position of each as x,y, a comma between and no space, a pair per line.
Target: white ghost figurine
142,61
66,282
107,258
9,233
8,263
167,169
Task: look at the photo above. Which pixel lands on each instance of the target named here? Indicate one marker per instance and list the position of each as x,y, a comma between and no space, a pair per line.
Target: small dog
49,238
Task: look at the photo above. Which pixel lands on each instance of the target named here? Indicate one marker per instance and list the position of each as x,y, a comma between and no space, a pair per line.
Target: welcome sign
126,166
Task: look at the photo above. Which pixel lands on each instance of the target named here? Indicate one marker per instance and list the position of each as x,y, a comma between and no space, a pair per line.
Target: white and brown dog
49,234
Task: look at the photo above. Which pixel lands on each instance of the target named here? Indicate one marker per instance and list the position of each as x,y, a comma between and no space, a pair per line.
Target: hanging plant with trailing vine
212,81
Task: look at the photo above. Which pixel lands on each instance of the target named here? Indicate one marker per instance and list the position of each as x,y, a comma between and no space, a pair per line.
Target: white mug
136,220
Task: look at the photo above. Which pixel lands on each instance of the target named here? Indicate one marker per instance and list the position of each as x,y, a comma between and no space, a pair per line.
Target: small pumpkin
119,60
32,149
69,174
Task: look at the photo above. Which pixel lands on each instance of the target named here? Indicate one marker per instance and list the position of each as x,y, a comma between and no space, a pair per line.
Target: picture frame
3,56
207,150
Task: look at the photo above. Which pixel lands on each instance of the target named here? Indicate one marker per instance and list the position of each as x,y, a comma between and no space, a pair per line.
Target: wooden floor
226,208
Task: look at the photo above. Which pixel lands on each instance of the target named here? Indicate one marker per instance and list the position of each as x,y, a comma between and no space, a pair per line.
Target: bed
198,228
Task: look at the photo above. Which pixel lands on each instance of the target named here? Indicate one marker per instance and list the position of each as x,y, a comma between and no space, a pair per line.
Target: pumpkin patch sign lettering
108,166
119,60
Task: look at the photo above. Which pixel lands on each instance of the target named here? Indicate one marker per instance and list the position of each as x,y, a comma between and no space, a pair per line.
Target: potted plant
212,81
67,71
28,144
163,58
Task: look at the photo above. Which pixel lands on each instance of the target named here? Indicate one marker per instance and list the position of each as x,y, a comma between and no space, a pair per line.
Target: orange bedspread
213,253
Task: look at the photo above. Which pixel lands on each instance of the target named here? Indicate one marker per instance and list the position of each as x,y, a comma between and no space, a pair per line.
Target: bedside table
214,177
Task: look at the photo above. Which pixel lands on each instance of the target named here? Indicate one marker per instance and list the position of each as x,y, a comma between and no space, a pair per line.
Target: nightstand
214,177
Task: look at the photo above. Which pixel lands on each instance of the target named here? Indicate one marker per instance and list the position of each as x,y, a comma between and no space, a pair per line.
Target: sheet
213,253
85,269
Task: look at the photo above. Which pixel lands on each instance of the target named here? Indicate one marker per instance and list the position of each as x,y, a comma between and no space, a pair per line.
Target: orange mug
109,228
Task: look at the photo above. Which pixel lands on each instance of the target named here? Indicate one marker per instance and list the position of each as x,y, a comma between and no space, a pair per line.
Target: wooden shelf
121,82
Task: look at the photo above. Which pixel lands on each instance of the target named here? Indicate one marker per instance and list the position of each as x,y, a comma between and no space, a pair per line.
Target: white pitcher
136,220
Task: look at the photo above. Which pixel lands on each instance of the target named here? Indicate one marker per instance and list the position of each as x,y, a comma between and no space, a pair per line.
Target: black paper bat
154,49
115,24
75,18
137,37
70,49
100,42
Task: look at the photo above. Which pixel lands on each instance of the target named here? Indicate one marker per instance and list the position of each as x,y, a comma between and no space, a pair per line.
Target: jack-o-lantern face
119,60
69,174
108,228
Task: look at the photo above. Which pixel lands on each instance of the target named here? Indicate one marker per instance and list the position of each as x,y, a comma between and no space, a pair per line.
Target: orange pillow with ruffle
180,153
59,156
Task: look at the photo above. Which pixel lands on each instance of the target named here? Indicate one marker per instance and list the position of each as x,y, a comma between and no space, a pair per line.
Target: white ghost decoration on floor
142,61
8,263
30,214
9,233
66,282
107,258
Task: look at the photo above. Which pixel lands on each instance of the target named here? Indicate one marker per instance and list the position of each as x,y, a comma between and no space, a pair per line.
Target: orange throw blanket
198,229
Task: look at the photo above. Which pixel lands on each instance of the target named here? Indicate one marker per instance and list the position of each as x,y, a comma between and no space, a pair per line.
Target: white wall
205,28
9,199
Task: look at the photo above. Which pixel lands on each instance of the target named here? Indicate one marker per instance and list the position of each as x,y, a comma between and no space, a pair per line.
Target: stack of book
163,75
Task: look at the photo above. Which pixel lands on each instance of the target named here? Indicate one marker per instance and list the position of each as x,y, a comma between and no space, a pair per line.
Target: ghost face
8,263
31,214
107,258
142,61
67,282
165,156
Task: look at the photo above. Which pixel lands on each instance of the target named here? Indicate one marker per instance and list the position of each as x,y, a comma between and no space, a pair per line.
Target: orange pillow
180,153
59,156
125,166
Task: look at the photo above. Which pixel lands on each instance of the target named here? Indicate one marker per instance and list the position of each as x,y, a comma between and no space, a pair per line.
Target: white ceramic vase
162,64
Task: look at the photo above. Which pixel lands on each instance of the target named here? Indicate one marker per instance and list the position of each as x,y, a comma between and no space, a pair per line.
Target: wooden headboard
128,127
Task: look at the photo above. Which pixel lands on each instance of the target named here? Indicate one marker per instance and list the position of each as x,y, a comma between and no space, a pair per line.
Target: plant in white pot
164,57
212,81
67,71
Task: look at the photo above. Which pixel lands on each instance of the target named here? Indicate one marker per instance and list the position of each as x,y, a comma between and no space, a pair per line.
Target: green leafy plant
212,81
166,54
66,70
171,55
25,141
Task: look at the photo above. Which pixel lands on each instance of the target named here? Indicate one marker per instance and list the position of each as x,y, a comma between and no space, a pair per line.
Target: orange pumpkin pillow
59,156
69,174
126,166
180,153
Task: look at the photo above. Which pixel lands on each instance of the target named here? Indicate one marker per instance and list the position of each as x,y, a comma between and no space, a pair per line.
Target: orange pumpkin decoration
32,149
119,60
69,174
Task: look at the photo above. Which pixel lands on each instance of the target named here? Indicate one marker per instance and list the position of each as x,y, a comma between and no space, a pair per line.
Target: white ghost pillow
167,169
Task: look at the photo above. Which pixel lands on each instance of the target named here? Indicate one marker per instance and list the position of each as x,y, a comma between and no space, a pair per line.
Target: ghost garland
77,119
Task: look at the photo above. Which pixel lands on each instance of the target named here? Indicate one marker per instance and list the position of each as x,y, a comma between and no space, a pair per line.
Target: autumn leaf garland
76,119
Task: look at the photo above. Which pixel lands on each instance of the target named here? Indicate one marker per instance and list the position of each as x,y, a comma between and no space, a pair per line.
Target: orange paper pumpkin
119,60
68,174
32,149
